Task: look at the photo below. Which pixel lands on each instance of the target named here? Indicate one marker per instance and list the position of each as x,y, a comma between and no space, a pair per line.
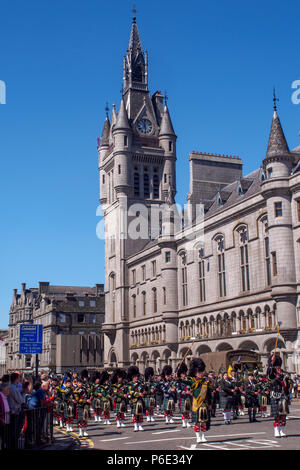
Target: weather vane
275,99
134,12
166,97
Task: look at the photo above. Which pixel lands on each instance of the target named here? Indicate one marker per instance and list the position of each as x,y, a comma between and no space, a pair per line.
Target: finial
275,99
166,97
106,109
134,12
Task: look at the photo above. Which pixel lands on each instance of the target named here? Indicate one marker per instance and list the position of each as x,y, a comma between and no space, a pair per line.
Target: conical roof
122,119
113,122
277,142
105,132
166,127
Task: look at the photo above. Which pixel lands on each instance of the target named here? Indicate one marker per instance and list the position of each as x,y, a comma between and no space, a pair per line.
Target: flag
229,370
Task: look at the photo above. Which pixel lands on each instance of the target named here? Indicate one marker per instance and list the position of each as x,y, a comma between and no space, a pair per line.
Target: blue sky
62,60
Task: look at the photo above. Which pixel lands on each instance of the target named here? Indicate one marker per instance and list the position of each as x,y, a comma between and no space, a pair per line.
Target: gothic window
201,267
267,260
153,268
144,302
155,185
146,183
184,279
244,259
274,263
133,276
143,273
164,295
136,183
154,294
168,256
221,266
134,306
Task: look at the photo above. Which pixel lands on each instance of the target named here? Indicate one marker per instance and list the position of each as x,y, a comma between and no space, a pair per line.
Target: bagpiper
278,395
169,390
69,408
159,394
119,396
202,389
136,393
183,387
96,397
226,397
263,396
150,387
82,399
251,390
105,393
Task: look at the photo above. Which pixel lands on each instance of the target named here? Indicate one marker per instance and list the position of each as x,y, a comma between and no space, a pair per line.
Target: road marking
187,438
262,444
164,432
114,439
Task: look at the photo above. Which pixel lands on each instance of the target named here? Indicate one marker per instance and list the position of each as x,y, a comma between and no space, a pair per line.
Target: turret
122,134
167,141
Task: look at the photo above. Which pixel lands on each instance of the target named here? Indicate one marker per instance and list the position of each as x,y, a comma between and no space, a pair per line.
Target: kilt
168,404
196,418
251,401
279,407
150,402
137,407
185,405
68,410
226,402
82,413
120,407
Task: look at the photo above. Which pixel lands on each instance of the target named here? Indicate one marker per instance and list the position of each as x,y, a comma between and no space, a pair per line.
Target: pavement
158,436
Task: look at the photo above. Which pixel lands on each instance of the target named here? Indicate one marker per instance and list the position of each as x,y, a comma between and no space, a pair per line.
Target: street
240,435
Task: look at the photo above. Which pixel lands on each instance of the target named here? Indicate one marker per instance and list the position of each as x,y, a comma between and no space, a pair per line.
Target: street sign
31,339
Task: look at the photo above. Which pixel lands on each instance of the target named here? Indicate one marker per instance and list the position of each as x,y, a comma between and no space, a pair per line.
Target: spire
277,142
122,119
166,127
106,129
113,122
135,61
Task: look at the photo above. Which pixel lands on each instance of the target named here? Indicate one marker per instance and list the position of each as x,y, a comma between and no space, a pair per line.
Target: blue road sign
31,339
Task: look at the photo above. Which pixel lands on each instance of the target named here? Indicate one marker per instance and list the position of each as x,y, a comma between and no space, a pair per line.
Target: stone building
3,339
235,281
72,320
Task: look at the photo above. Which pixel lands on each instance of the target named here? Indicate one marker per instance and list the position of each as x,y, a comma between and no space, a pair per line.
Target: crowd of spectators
19,397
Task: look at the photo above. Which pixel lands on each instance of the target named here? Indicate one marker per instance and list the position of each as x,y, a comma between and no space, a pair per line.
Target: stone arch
155,358
113,360
202,349
144,362
182,352
134,358
269,344
166,355
249,345
224,347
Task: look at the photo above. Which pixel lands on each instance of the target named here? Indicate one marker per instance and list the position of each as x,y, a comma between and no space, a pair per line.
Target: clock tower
137,156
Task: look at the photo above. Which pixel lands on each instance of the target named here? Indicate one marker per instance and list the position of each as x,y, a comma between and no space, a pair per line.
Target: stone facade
72,320
237,278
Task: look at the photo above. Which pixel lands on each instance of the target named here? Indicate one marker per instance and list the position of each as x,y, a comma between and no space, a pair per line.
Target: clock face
144,126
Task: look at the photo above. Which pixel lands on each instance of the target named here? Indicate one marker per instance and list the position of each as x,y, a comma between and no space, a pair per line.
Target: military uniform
150,387
202,389
170,394
105,392
136,392
183,387
251,391
82,398
279,395
119,396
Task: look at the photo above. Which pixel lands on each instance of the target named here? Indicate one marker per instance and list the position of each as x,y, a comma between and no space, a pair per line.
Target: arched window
184,279
146,183
136,183
221,265
244,258
134,306
144,305
155,184
154,293
201,272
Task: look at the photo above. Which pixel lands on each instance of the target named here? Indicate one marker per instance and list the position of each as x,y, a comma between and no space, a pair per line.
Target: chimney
43,287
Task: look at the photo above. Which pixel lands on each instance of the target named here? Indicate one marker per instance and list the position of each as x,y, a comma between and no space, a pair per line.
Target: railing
30,429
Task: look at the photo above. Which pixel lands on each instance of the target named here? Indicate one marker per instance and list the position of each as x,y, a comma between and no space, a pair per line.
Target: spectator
39,401
27,391
15,400
4,415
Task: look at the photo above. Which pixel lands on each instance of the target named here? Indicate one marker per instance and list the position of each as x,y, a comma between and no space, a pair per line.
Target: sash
197,401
